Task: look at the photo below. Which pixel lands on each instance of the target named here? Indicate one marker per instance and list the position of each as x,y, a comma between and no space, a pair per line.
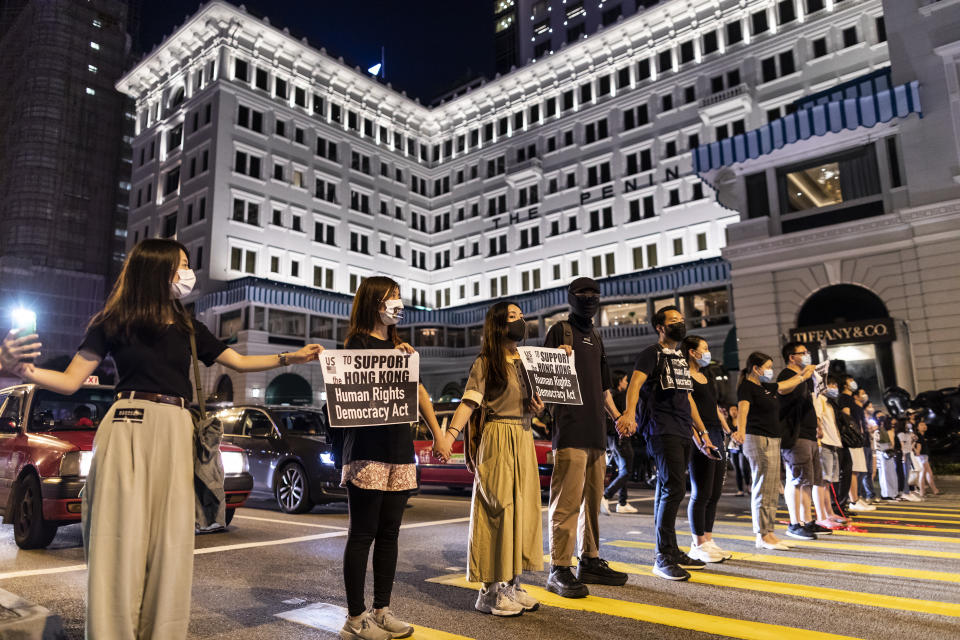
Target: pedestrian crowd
661,422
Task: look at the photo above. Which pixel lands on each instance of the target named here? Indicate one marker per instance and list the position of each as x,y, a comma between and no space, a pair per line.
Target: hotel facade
291,176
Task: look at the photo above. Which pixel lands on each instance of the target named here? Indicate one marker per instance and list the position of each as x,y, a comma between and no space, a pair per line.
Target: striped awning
830,117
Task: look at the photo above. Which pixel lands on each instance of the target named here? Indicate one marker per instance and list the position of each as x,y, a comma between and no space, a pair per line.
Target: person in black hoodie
579,443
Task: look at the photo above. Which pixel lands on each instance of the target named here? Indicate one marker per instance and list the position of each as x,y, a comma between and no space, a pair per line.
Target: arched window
289,388
224,392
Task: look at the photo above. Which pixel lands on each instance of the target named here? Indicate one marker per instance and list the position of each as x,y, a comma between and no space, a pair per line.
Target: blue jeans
622,454
671,454
866,479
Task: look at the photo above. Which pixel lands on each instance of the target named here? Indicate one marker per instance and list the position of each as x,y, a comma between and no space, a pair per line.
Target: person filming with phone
138,503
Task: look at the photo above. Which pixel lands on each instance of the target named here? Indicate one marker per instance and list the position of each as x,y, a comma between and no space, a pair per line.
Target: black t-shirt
763,417
668,390
705,397
582,426
922,441
392,443
160,365
856,411
798,406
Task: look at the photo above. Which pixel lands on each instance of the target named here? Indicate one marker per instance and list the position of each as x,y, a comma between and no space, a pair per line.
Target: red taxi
454,474
46,447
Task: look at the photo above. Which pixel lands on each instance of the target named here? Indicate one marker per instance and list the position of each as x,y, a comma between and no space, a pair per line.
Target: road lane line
870,534
860,522
826,565
330,617
883,516
232,547
677,618
850,546
293,522
804,591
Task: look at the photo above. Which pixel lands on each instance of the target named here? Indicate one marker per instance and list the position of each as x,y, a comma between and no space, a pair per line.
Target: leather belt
176,401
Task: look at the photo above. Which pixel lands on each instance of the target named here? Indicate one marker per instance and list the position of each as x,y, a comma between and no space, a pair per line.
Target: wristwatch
283,358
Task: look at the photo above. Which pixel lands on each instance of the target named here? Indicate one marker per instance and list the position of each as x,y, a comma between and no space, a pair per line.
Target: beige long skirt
506,531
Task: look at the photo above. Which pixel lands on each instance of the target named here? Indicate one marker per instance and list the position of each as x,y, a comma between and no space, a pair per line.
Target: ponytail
755,359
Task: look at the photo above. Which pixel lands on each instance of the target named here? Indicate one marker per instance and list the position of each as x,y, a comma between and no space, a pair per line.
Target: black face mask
517,330
583,307
676,331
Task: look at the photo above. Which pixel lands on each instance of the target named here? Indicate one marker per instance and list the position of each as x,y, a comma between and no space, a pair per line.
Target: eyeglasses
588,296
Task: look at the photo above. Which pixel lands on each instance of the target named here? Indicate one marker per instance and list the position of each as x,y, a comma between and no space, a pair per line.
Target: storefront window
231,323
549,321
706,308
259,319
428,337
288,323
475,335
321,328
660,303
533,328
623,313
456,338
343,326
404,334
829,181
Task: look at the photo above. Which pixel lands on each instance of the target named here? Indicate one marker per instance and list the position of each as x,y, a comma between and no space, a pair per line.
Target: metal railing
741,89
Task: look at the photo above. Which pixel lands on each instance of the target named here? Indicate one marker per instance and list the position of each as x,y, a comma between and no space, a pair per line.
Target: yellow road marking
678,618
897,536
914,506
884,516
917,512
860,523
424,633
826,565
804,591
868,548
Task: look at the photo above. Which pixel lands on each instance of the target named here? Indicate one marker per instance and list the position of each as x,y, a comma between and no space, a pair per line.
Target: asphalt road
897,577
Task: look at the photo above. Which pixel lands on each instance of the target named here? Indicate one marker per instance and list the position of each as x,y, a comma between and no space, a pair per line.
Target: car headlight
327,458
76,463
234,462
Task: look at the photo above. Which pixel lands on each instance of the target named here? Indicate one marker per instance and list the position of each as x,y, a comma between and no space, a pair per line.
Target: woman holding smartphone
706,473
138,503
505,523
378,472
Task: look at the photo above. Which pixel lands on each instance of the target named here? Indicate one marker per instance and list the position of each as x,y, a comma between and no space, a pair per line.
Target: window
529,237
665,61
280,127
820,47
598,174
568,100
243,260
623,78
250,119
325,190
881,26
498,246
298,135
830,181
701,242
777,66
360,162
575,32
170,226
323,278
551,108
666,102
635,117
697,191
175,137
326,149
244,211
640,161
274,264
758,22
324,233
297,223
689,94
603,86
300,97
642,209
673,197
599,262
359,243
586,93
786,12
280,88
172,181
277,171
734,33
643,70
678,246
710,43
814,5
601,219
277,218
359,201
686,52
850,37
670,149
530,280
596,131
249,165
240,70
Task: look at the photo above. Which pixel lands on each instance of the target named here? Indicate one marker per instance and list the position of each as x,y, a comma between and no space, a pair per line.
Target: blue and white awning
830,117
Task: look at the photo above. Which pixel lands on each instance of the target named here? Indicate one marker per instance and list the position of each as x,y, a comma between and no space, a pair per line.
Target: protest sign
552,374
370,387
820,377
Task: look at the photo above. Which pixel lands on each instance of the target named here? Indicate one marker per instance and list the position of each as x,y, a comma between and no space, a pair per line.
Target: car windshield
306,423
55,412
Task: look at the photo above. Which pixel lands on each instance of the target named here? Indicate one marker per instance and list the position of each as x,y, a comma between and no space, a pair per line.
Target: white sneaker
515,591
627,508
604,506
859,506
917,494
703,554
763,544
391,624
866,505
364,628
910,497
714,547
495,601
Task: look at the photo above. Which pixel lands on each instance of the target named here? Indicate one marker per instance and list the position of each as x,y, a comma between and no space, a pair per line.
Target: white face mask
393,312
182,287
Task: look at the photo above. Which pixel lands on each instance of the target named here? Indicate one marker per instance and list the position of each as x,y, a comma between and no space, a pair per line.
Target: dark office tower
61,165
505,35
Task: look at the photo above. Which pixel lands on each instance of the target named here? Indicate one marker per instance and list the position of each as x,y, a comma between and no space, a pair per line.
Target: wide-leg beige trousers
138,523
506,531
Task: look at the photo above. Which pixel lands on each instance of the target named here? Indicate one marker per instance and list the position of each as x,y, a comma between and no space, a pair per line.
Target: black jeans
742,467
642,468
374,515
622,453
706,486
901,477
670,453
866,479
841,490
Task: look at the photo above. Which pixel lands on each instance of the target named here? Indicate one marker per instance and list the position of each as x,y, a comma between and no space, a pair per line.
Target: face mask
832,392
517,330
704,359
393,312
806,359
585,307
853,385
676,331
182,287
766,375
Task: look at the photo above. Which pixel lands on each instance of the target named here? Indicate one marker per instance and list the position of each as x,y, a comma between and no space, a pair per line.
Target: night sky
431,45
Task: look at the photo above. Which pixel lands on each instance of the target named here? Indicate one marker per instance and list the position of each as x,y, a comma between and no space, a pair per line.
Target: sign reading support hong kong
552,374
851,332
370,387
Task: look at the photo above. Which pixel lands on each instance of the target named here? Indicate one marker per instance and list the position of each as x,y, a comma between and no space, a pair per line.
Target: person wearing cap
579,444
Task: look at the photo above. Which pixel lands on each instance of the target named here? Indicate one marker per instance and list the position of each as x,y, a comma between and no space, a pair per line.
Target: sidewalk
22,620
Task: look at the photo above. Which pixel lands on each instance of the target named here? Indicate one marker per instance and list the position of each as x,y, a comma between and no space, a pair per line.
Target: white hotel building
291,176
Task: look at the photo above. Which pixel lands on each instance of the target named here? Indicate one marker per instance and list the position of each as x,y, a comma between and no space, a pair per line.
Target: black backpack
645,402
850,434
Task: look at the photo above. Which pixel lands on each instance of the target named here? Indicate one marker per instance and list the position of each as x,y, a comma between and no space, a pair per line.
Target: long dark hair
493,347
755,359
140,302
366,307
688,344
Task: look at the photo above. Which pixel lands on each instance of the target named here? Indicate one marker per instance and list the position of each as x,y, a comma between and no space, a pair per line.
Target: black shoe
670,571
814,528
598,571
799,532
686,562
563,583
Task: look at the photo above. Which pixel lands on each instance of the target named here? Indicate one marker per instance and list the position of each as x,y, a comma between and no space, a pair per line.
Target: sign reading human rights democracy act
552,374
370,387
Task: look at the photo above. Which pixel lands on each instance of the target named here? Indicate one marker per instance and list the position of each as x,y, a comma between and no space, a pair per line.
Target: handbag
210,505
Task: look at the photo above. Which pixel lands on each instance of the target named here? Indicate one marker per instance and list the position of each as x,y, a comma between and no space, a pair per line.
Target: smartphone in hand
25,322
